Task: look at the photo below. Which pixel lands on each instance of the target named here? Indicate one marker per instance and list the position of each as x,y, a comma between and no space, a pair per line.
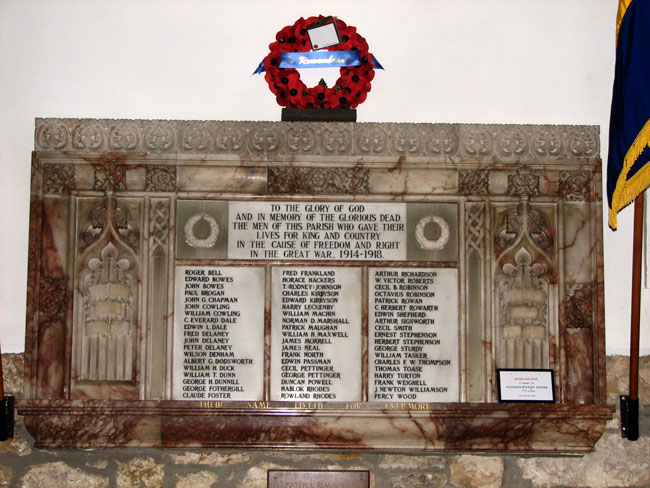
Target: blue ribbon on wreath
319,59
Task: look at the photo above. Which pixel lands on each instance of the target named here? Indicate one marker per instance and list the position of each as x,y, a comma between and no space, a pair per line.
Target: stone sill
529,428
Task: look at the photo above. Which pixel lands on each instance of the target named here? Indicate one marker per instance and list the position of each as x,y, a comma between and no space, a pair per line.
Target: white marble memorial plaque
316,333
413,334
219,333
317,231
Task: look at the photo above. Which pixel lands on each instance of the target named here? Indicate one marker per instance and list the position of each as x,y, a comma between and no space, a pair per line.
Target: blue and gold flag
628,168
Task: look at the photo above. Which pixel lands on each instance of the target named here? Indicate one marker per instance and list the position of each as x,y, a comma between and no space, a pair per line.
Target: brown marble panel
401,181
52,302
238,179
580,374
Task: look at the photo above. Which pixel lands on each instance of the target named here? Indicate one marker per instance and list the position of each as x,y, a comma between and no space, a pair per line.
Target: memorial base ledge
529,428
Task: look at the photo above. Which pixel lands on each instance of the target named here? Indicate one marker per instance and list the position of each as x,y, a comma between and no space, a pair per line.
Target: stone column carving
523,278
106,331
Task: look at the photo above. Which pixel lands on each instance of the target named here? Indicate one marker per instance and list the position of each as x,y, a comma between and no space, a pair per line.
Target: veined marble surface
120,206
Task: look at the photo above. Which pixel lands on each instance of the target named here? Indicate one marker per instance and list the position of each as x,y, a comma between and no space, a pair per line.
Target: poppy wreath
350,89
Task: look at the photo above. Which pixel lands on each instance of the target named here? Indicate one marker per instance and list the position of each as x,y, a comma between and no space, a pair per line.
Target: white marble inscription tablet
316,333
219,333
317,231
413,334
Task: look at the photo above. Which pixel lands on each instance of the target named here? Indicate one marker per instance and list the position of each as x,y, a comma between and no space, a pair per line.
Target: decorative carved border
318,180
319,139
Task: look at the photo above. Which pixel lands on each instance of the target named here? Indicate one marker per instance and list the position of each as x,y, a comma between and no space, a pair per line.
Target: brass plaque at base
318,479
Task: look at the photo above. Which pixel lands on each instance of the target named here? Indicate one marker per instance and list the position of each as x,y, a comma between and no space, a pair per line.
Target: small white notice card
323,36
526,385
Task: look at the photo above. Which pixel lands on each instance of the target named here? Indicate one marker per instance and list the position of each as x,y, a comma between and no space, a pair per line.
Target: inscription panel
316,333
219,333
322,230
413,334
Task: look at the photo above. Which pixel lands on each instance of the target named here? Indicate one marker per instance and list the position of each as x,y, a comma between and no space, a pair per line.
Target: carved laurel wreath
190,237
428,244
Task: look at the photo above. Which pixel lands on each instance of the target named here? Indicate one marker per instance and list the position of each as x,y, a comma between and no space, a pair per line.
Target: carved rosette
582,143
52,136
473,182
408,142
195,137
229,139
87,137
318,180
265,139
575,185
337,140
372,141
513,143
443,140
58,179
478,142
300,139
159,137
160,178
547,141
123,137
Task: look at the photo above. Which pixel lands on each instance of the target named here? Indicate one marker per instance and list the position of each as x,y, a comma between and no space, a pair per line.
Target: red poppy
350,89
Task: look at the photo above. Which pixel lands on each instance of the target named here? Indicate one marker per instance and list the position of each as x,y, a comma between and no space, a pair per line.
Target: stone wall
615,462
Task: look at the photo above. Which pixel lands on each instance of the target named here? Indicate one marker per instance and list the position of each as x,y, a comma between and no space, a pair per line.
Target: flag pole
6,410
630,403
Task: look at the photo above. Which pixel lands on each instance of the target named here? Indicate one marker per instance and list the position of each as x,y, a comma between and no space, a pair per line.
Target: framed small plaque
333,479
526,385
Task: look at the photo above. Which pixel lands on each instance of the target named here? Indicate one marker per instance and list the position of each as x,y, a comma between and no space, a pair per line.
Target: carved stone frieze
301,139
316,138
159,137
513,142
408,141
575,185
579,306
523,182
58,179
442,140
109,175
89,137
473,182
123,136
160,178
318,180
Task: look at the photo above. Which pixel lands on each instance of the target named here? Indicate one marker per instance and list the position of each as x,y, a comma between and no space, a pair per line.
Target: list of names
219,333
413,334
316,334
